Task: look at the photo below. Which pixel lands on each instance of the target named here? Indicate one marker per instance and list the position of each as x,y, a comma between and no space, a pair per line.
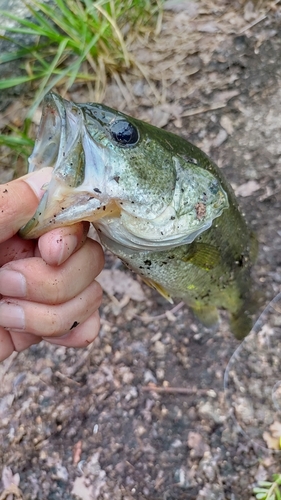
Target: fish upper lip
61,140
60,131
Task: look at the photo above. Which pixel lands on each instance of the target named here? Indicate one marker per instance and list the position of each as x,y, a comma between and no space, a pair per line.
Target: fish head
123,175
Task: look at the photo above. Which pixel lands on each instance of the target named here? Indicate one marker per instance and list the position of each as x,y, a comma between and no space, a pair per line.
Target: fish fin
160,289
208,315
202,255
241,324
242,320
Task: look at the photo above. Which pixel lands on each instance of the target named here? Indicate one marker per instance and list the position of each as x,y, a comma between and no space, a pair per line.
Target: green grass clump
269,490
20,142
82,41
77,41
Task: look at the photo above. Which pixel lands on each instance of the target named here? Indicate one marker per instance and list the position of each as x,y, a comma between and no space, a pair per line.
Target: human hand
47,287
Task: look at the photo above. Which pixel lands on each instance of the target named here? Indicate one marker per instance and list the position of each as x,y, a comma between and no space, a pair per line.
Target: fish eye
124,133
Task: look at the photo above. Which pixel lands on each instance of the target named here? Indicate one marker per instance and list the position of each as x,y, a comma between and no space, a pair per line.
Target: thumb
19,200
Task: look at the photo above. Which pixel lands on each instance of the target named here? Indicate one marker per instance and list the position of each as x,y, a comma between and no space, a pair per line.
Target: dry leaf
209,27
272,442
224,95
10,482
249,12
247,189
227,124
273,437
9,478
178,6
115,281
159,117
82,489
220,138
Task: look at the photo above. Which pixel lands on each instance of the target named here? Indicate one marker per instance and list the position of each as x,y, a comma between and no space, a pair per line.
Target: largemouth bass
158,203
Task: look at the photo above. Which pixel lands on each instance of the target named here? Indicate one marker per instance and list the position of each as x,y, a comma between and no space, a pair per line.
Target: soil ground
86,422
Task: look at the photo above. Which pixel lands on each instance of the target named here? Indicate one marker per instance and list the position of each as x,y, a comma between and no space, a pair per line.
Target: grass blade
277,493
43,88
75,40
117,31
265,484
42,20
64,22
12,82
29,28
11,140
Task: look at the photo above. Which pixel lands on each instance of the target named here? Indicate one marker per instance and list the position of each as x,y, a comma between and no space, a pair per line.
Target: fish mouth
63,143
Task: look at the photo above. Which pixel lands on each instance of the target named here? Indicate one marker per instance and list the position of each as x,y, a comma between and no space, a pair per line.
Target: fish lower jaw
59,211
66,208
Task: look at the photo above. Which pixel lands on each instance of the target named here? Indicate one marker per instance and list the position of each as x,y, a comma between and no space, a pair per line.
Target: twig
269,193
175,390
251,25
160,316
259,20
205,109
71,370
63,377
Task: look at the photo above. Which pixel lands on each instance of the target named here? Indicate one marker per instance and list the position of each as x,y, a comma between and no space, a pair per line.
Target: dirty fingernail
11,316
12,283
68,245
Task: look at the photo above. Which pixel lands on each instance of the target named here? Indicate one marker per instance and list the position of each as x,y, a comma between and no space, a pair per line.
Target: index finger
19,200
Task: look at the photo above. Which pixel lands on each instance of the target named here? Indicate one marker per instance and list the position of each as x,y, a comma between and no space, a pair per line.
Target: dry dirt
86,422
